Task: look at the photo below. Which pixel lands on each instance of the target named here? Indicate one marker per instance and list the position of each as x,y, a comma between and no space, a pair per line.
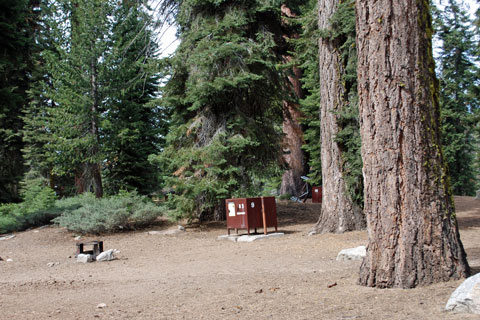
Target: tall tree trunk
413,233
339,213
94,168
294,156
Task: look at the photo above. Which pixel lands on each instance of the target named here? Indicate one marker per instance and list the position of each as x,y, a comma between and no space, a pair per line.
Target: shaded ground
194,276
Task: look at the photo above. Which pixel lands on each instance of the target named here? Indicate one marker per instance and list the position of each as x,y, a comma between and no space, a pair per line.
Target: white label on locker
231,209
241,213
252,204
316,190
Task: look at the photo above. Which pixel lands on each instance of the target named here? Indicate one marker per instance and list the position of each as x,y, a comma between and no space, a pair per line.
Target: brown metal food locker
251,213
317,194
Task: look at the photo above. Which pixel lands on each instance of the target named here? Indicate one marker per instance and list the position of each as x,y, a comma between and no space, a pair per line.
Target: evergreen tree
348,135
306,55
17,20
99,85
224,95
132,125
36,133
412,230
342,28
459,99
337,58
293,153
78,71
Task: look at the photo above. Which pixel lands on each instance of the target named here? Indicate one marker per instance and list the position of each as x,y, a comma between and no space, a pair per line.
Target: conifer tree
340,141
133,123
306,55
294,155
412,228
17,21
36,133
224,95
459,95
101,118
78,72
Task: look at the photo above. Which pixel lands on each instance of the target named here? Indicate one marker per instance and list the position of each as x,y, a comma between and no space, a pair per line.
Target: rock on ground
466,298
228,237
255,237
250,238
84,258
357,253
169,232
106,255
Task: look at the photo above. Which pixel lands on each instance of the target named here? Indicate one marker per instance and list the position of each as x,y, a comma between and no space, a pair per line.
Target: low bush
38,208
127,210
7,223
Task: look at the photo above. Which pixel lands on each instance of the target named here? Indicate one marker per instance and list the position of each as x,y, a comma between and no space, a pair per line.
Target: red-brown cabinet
317,194
250,213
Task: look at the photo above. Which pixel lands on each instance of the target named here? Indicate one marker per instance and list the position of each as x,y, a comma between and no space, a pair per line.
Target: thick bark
95,167
339,213
294,156
413,233
292,146
88,176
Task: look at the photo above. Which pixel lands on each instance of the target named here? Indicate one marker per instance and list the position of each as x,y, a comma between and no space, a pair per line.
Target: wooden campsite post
264,216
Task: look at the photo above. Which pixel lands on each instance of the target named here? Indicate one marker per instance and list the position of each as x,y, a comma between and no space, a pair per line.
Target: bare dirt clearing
194,276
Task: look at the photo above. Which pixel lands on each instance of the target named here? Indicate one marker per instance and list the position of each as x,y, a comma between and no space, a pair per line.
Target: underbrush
125,211
38,208
81,214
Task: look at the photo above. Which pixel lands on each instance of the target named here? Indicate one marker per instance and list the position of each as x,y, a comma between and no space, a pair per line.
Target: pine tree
17,20
337,60
348,136
77,68
36,133
132,127
294,155
413,232
459,99
100,83
306,55
224,95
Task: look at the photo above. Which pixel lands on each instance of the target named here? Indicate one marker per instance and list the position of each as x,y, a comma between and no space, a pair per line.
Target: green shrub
285,196
7,223
38,208
120,212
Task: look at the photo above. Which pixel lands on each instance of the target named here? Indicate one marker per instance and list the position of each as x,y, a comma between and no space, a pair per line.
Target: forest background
89,106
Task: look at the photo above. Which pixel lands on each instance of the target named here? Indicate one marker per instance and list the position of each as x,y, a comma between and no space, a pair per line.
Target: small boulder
106,255
255,237
101,305
52,264
357,253
466,298
228,237
168,232
84,258
7,237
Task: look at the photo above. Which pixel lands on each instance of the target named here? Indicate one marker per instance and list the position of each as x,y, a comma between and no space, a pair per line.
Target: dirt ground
193,275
